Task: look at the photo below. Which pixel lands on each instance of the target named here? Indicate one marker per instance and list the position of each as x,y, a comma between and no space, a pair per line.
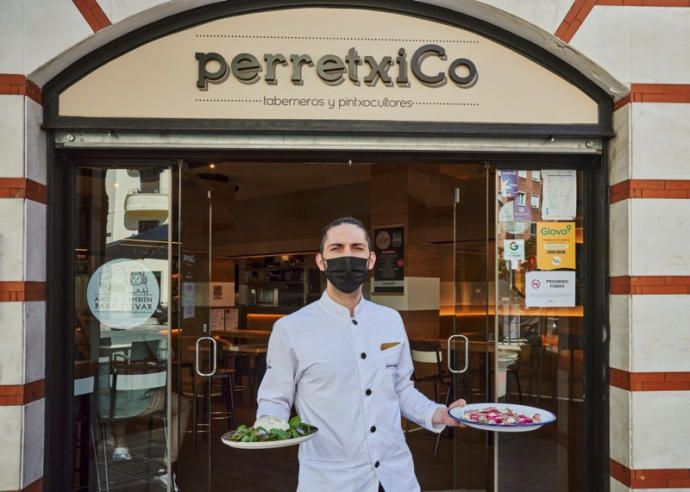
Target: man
345,364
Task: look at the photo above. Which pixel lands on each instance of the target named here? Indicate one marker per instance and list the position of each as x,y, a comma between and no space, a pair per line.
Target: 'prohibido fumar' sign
122,293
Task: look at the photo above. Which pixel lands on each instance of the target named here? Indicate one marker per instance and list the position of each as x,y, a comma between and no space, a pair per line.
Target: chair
226,377
570,342
427,358
511,365
85,374
125,379
556,344
514,370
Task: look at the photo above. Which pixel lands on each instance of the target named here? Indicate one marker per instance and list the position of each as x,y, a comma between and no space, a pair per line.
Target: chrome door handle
467,354
213,356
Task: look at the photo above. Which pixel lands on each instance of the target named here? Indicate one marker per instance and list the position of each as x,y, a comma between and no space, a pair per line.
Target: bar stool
225,377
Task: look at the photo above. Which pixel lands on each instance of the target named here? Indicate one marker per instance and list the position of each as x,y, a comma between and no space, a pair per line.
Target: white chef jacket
344,377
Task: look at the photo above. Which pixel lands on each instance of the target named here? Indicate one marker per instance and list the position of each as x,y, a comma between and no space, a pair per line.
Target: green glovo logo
556,231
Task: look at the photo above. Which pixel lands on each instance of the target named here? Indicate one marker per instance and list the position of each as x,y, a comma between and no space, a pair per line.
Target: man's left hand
441,415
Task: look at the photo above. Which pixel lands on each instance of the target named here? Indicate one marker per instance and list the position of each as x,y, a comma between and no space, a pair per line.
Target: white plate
546,417
266,444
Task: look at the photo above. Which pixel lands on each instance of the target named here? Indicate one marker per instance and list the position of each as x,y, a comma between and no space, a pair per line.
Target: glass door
470,347
121,331
539,329
197,357
519,300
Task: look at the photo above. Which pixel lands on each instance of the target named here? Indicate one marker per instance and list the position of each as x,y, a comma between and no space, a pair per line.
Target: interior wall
289,222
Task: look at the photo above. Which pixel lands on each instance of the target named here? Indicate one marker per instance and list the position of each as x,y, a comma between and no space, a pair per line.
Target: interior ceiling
261,179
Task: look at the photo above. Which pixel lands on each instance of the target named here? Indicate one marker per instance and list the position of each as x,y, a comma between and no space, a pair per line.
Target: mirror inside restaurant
230,248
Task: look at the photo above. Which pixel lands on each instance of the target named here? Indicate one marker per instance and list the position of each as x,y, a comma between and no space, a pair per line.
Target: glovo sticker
555,245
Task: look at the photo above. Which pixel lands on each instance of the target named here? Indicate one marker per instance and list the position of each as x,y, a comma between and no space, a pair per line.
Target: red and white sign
554,288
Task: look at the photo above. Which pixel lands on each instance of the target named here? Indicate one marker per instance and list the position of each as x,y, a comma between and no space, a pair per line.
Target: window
536,175
522,174
521,198
534,201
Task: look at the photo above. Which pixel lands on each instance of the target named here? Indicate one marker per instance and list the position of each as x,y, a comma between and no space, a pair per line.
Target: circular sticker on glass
511,222
122,293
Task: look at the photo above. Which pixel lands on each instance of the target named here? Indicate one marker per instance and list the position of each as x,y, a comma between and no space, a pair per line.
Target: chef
345,364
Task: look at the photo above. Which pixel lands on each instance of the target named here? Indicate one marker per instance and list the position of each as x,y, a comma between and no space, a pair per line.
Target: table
246,334
256,358
508,354
475,345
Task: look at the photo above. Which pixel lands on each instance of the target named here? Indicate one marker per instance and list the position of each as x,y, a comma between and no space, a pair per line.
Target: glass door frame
179,200
595,318
595,198
455,356
59,444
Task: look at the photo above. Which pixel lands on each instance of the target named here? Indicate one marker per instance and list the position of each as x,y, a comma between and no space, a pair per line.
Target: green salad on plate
296,428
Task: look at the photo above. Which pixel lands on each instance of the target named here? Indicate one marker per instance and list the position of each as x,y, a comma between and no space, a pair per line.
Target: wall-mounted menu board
389,270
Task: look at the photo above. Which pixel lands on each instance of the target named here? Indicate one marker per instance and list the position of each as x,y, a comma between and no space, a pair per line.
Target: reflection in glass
121,334
541,347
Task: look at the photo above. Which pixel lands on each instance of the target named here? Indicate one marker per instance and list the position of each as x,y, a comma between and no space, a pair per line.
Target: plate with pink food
502,417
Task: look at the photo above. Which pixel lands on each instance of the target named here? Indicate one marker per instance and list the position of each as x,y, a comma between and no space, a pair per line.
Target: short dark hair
341,221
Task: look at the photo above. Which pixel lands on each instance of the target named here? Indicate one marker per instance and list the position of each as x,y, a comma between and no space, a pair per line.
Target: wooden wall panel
421,324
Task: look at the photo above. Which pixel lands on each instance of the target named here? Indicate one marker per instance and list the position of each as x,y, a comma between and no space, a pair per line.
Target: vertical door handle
467,354
213,356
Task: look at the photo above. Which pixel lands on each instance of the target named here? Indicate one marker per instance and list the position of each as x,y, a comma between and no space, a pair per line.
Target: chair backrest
141,370
427,356
144,349
571,341
126,387
140,380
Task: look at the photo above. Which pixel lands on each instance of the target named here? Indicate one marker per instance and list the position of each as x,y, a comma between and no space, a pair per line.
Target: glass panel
473,254
121,330
263,267
194,363
540,334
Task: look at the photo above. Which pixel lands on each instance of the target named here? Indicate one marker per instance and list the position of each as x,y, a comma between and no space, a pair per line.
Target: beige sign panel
321,63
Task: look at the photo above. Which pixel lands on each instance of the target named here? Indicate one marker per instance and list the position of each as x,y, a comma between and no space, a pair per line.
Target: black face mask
346,273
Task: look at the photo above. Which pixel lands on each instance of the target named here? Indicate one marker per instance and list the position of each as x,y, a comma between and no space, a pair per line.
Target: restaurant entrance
199,158
214,251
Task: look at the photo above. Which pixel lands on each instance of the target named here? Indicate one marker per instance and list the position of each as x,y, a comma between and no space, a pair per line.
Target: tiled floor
548,459
531,461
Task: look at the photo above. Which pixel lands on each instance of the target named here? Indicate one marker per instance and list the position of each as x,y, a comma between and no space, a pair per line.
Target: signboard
222,294
556,289
559,195
389,270
514,250
188,299
509,182
521,213
217,319
327,64
217,292
555,245
122,293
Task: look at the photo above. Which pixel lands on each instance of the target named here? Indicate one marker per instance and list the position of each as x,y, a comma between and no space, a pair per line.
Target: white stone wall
648,237
650,331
